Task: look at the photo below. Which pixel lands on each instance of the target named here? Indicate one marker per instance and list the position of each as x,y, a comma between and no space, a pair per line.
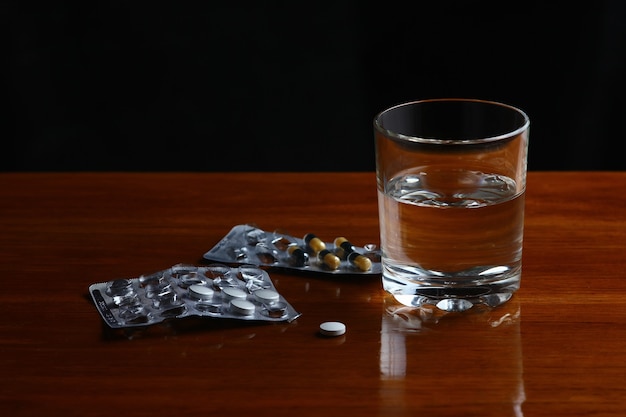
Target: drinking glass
451,177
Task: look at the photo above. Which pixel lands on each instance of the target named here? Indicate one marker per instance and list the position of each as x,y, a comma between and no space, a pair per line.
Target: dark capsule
343,247
297,256
314,243
329,259
360,261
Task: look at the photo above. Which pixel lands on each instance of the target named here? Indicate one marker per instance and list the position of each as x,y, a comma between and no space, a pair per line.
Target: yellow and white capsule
360,261
314,243
343,247
329,259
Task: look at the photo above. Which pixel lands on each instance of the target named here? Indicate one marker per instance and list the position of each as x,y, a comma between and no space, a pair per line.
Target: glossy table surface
557,348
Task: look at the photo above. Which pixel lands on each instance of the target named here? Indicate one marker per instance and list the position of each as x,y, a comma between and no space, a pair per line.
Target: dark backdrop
293,86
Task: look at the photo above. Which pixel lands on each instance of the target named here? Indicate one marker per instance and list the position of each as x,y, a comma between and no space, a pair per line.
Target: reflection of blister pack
247,244
217,290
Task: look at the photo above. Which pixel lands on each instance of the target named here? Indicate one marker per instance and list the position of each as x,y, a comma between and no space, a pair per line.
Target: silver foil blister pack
216,291
249,244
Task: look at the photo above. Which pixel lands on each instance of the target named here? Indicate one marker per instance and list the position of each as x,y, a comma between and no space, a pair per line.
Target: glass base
453,293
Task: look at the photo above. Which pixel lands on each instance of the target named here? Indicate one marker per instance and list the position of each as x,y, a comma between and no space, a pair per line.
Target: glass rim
418,139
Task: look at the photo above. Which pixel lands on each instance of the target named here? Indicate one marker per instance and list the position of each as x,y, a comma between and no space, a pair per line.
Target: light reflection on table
409,334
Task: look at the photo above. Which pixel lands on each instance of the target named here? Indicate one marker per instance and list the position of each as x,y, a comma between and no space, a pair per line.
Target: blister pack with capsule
216,291
248,244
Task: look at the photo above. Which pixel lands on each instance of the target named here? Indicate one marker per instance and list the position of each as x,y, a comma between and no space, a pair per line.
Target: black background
294,86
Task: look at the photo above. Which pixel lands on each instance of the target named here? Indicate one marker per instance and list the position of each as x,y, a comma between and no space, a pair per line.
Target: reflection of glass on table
473,359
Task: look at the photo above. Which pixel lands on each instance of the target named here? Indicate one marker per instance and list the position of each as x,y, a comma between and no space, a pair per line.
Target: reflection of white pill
200,292
241,306
232,292
332,328
266,296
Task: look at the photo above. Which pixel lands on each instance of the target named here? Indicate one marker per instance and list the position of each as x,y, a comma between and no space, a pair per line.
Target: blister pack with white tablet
216,291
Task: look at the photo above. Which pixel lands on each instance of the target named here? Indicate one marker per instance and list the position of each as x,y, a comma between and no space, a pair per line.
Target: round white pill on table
332,328
241,306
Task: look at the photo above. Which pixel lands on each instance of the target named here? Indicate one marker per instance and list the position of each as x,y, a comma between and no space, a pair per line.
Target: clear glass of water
451,177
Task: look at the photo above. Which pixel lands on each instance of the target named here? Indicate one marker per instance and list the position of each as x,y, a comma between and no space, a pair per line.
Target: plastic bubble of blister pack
249,244
245,292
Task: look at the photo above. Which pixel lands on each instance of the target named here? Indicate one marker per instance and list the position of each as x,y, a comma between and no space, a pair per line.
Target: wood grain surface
557,348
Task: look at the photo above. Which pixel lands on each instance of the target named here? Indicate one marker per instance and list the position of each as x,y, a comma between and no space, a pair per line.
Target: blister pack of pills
217,290
248,244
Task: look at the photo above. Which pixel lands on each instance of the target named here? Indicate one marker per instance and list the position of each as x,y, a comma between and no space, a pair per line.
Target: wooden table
557,348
